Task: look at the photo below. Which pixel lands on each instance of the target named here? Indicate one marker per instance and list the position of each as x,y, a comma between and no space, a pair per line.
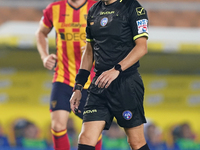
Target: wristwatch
77,87
118,68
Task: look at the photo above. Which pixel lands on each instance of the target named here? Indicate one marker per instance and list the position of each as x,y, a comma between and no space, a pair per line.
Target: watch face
118,67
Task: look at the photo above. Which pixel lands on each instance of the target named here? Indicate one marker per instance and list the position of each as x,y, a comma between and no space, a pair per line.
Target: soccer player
119,31
69,20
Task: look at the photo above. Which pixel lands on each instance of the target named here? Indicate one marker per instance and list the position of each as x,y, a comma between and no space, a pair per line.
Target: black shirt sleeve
89,37
138,21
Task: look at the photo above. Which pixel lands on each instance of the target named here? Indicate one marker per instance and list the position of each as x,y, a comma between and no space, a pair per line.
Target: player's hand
49,61
75,101
105,79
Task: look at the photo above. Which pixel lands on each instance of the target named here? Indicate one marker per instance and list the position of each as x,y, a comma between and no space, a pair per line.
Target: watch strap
77,87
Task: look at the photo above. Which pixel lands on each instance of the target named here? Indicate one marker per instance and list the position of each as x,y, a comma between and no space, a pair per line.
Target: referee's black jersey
114,28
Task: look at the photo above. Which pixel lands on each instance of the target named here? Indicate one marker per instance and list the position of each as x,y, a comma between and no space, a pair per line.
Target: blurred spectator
3,139
185,138
187,132
31,139
18,127
154,137
115,139
27,135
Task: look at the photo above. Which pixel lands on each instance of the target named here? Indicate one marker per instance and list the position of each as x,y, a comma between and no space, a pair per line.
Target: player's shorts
60,96
123,99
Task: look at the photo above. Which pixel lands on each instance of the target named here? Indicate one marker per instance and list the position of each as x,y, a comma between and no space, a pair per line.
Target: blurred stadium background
171,69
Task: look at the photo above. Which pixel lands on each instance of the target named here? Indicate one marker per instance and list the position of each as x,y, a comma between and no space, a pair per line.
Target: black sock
85,147
145,147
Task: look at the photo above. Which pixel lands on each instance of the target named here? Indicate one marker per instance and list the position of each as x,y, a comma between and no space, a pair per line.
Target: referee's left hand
105,79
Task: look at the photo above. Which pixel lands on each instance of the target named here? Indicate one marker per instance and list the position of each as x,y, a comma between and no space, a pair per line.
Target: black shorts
123,99
60,96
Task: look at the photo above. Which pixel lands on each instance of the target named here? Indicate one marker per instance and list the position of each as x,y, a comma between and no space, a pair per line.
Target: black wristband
82,76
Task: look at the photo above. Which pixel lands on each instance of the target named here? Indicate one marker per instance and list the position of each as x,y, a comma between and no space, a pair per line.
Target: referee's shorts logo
90,111
127,114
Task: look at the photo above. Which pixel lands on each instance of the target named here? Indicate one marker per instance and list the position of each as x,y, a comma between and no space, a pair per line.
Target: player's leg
60,109
58,128
135,137
89,135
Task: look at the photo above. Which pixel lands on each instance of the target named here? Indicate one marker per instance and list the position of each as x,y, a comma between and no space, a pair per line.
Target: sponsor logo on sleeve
140,11
142,26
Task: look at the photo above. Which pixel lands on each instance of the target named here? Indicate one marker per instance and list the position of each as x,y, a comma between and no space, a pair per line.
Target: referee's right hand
75,101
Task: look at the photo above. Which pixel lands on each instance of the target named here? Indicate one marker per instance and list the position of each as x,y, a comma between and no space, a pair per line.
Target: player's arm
82,76
43,48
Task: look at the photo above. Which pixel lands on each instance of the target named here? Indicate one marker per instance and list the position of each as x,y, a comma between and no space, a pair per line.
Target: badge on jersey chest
104,21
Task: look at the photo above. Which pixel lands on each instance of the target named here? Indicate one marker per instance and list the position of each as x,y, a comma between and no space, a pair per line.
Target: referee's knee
86,139
136,143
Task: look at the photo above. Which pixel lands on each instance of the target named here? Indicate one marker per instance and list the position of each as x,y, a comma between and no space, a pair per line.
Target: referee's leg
89,135
136,138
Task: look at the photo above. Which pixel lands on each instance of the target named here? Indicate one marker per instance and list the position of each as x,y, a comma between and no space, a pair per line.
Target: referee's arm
136,53
140,49
86,64
87,57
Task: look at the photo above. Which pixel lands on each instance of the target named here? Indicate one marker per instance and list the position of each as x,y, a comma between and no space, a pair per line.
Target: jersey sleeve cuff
141,35
46,25
89,40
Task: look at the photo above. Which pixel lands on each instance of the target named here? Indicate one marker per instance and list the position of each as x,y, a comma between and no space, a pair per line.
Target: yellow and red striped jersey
69,24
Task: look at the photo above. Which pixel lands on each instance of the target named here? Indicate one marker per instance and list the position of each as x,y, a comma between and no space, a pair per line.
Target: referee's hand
75,101
105,79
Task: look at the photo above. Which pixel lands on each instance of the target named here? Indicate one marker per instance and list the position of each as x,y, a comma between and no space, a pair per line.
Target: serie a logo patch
104,21
127,115
142,26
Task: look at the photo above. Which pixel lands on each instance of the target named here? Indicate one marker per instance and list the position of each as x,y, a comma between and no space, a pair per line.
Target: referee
117,36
